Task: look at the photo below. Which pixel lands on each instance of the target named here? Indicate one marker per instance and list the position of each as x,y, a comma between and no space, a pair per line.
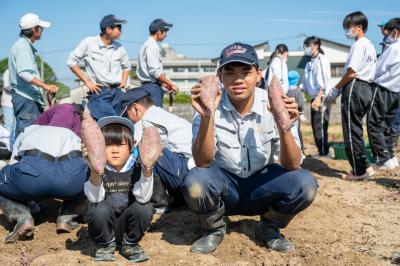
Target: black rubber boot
215,229
159,199
69,213
271,221
19,214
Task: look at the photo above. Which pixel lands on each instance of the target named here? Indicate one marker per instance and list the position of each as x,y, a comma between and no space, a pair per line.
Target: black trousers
356,101
105,226
381,133
320,124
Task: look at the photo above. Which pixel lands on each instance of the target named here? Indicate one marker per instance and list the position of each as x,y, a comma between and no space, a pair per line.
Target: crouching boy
120,211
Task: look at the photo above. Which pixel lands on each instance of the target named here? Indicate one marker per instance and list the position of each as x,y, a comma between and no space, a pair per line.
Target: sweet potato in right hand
150,147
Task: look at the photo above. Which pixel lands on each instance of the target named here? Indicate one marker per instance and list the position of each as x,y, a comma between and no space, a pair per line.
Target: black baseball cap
131,96
108,120
111,21
238,52
159,24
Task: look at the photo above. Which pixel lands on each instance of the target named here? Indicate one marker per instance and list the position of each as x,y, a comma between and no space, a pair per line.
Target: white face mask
349,34
390,40
307,50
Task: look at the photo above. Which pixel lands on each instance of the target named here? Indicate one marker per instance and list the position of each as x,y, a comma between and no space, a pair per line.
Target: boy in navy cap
176,135
233,151
150,69
107,67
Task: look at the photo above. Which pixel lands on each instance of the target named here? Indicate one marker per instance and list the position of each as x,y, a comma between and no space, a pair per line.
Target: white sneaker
388,165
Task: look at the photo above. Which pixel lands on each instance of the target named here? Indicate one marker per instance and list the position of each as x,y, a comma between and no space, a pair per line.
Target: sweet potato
278,109
94,141
209,91
150,147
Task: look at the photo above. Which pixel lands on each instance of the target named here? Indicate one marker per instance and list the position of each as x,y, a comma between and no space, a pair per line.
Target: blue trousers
34,178
155,91
286,192
172,168
106,103
26,111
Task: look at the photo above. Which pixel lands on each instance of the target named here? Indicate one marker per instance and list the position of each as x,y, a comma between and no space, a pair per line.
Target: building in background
183,71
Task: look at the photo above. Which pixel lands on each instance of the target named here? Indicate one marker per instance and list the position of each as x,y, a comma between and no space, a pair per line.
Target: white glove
329,98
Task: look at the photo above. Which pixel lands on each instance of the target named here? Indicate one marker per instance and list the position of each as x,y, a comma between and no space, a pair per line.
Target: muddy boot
68,214
134,253
271,221
105,252
159,199
215,229
19,214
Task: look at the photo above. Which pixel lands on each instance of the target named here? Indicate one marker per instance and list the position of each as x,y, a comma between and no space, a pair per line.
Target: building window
209,69
193,69
179,69
337,70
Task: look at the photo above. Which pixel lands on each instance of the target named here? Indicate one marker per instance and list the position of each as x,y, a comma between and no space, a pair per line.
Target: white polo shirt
388,68
362,59
278,68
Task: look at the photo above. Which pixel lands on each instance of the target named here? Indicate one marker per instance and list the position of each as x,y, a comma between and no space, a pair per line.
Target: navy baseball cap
159,24
239,52
111,21
108,120
131,96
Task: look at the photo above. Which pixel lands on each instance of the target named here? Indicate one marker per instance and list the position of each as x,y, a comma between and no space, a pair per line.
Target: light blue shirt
104,64
22,59
244,145
149,61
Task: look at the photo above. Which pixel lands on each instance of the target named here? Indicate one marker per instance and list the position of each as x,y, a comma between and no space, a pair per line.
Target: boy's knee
144,211
99,211
308,185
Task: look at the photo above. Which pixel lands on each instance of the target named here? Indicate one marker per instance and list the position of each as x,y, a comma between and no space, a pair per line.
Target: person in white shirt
120,211
176,135
385,100
316,80
150,68
8,110
107,67
278,67
46,163
356,88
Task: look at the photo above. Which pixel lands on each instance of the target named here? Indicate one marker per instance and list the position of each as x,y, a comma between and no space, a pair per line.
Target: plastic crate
340,153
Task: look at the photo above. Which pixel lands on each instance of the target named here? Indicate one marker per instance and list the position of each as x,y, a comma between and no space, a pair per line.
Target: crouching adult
232,148
46,163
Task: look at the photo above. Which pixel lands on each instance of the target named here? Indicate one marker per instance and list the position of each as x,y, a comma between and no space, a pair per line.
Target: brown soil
349,223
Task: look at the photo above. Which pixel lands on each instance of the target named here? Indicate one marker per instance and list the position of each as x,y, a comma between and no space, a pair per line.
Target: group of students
220,165
369,87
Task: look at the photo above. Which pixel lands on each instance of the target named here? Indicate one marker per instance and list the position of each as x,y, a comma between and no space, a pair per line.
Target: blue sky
201,28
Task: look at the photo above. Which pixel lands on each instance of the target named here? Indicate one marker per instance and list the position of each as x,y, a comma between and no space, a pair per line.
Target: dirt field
348,224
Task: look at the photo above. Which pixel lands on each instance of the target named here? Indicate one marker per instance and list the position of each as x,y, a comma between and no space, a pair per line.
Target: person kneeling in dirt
176,136
120,211
232,148
46,163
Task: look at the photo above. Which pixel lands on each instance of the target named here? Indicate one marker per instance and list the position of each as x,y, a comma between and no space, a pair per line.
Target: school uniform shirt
278,68
317,75
22,64
149,67
388,68
244,145
56,141
142,188
362,59
104,64
175,132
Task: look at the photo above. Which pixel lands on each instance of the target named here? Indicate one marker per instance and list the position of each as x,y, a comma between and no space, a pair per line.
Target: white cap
31,20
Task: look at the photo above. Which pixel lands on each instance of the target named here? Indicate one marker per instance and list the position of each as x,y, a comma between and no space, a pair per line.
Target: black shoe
273,238
208,242
105,252
134,253
17,213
